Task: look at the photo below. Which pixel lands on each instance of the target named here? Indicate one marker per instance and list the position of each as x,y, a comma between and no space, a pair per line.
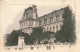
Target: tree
39,36
36,34
67,32
12,38
27,38
47,35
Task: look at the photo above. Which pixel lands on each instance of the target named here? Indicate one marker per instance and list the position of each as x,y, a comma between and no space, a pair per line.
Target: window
30,23
56,27
46,21
47,29
40,23
50,28
50,20
57,17
53,28
22,25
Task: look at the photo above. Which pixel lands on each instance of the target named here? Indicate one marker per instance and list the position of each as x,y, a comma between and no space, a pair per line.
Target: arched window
45,21
50,28
53,28
50,20
57,17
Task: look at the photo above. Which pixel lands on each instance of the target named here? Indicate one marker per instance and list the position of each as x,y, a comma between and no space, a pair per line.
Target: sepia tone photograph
39,26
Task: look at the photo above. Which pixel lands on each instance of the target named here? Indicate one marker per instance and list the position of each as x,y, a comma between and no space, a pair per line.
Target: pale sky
11,12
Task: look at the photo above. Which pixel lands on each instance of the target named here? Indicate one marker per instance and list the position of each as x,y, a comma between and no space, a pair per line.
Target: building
29,19
51,22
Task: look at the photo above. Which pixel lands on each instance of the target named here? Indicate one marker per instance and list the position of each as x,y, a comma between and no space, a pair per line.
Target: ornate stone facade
29,19
51,22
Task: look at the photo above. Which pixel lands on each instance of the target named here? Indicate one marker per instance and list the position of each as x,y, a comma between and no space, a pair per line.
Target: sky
11,11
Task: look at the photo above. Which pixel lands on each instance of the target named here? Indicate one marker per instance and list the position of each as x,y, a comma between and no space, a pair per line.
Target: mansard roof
49,15
29,8
52,12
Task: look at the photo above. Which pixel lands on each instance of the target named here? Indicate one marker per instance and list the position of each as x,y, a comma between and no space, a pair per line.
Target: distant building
51,22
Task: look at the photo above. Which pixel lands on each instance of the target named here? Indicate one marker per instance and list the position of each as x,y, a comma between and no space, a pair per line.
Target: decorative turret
34,12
